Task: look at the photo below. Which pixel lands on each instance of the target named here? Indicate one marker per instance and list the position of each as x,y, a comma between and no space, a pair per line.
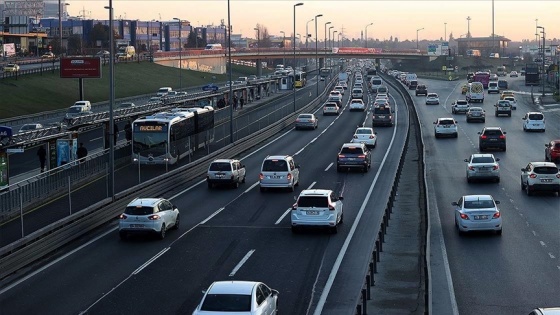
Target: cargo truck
532,74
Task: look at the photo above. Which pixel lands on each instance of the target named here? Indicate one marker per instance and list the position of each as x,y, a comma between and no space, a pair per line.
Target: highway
220,228
518,271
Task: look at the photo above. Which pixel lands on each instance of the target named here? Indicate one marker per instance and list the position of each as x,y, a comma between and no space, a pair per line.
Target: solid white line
234,271
95,139
312,184
551,255
6,289
184,191
212,215
542,243
283,216
252,186
146,264
326,169
338,261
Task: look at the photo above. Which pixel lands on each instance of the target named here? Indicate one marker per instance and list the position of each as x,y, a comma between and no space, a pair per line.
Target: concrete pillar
259,68
377,60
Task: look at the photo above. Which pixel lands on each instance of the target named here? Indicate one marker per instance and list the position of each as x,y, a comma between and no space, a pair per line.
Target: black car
492,137
421,89
353,155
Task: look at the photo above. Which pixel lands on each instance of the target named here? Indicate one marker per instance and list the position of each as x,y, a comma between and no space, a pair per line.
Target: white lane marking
326,169
542,243
338,261
312,184
146,264
551,255
212,215
95,139
244,260
534,233
252,186
444,105
187,189
283,216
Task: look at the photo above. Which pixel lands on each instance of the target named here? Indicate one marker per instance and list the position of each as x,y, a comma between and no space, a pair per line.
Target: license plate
275,176
137,225
480,217
312,212
381,116
493,139
219,176
351,159
445,126
546,180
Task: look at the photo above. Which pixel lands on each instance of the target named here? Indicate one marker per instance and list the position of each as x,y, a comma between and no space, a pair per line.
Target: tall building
51,9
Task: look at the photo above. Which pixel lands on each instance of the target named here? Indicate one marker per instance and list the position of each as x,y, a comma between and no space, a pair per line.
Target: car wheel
480,148
505,149
456,135
436,135
342,215
524,129
374,144
177,222
499,232
522,185
528,190
263,189
292,188
243,180
161,234
497,179
339,169
123,235
334,229
509,115
295,229
469,180
236,184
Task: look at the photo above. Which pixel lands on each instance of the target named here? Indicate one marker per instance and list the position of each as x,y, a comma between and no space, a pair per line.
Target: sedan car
127,105
552,151
353,155
476,114
11,67
477,213
148,215
432,99
238,297
366,136
306,121
513,74
445,127
540,176
317,208
357,104
335,95
29,127
483,166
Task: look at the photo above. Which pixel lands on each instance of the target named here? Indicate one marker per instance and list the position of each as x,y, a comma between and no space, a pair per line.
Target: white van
164,91
493,87
213,47
475,92
85,104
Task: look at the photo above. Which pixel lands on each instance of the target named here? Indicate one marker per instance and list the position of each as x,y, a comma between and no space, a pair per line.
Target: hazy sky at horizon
514,19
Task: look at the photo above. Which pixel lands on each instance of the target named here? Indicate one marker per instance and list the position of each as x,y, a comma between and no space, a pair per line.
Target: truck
532,75
343,77
482,77
475,93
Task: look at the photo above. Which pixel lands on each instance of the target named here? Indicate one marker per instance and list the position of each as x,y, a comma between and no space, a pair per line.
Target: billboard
9,50
355,50
80,67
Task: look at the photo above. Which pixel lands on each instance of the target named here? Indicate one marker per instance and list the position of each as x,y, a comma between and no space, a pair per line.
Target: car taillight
372,137
331,207
471,168
502,137
261,176
289,177
341,156
483,137
496,215
557,175
533,175
297,120
362,156
496,167
122,217
154,217
464,216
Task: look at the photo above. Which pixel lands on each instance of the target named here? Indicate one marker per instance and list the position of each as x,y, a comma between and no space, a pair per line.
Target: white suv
445,127
148,215
279,171
540,176
225,172
317,207
534,121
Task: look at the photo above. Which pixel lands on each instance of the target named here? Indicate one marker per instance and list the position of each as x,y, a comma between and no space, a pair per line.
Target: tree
99,35
55,44
191,39
451,38
75,44
264,40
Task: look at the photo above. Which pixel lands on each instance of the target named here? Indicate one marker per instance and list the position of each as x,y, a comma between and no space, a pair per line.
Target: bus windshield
149,143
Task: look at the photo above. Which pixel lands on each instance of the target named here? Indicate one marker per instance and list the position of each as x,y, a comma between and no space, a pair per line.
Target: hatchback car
546,311
317,208
357,93
534,121
238,297
477,213
306,121
148,215
366,136
357,104
476,114
503,107
11,67
540,176
492,137
432,99
483,166
29,127
445,127
552,151
279,171
353,155
460,106
225,172
511,101
331,108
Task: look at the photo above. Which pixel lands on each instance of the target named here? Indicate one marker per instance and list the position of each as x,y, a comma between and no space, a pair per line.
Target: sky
514,19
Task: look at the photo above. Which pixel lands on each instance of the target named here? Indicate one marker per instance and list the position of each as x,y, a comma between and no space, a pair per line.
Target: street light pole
111,176
329,42
294,49
258,39
180,56
326,33
370,24
339,35
445,31
543,50
418,30
230,96
283,48
334,32
316,54
307,32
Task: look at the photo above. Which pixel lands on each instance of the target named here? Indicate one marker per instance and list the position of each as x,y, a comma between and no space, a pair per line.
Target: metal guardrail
42,242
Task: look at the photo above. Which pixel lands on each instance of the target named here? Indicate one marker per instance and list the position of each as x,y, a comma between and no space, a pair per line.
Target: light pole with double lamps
180,55
316,53
294,49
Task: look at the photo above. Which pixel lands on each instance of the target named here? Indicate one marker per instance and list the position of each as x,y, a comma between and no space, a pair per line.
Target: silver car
306,121
477,213
279,171
317,207
476,113
225,172
483,166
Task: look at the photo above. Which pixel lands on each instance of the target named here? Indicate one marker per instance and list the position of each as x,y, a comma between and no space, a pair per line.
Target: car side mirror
340,198
505,133
275,292
375,132
523,169
435,122
175,208
524,118
479,133
454,203
242,165
466,160
497,159
497,202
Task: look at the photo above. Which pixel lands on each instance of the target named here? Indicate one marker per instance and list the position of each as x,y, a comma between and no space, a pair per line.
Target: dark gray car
492,137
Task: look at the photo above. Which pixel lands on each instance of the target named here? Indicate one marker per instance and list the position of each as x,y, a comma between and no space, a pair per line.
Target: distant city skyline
514,19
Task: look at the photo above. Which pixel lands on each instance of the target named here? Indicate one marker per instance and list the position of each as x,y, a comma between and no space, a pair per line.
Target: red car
552,151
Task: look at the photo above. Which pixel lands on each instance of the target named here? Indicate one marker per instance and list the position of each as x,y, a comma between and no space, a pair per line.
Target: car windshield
226,303
275,166
477,204
313,201
73,110
536,116
381,111
446,122
482,159
461,103
220,166
139,210
492,132
305,116
545,170
363,132
432,95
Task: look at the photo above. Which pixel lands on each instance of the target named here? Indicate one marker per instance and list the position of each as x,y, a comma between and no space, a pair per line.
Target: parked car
229,172
238,297
445,127
477,213
306,120
317,208
148,215
492,137
552,151
483,166
540,176
353,155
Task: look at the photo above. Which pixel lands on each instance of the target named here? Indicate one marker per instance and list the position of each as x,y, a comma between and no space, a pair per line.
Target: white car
512,101
366,136
339,88
317,207
384,96
445,127
483,166
534,121
513,74
238,297
225,172
540,176
357,104
477,213
331,108
29,127
460,106
335,95
148,215
432,98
